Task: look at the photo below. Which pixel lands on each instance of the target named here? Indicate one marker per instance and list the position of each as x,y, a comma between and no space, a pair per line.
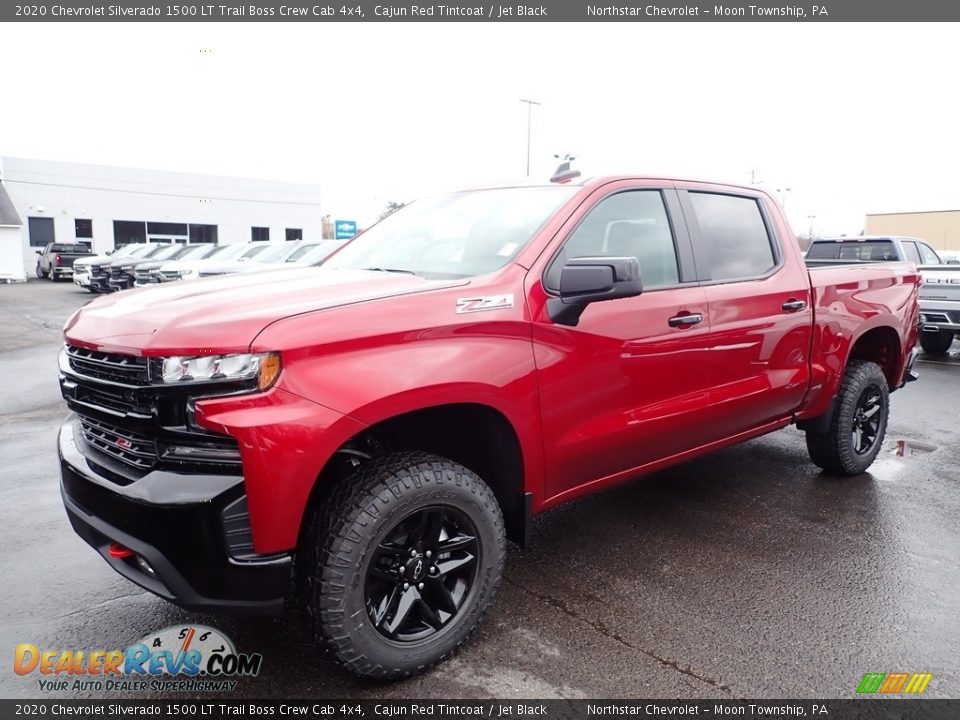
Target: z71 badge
479,304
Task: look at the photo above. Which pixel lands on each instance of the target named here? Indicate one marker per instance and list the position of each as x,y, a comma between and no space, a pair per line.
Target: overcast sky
854,118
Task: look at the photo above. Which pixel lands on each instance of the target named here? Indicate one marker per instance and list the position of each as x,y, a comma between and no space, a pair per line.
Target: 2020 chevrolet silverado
360,439
939,308
56,259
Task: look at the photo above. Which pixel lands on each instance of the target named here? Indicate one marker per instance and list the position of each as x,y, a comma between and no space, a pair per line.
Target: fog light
193,453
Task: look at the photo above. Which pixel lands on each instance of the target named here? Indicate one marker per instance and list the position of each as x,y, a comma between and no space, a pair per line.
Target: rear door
758,294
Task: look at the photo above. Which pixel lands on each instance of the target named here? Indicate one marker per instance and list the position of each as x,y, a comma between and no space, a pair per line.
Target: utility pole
811,218
530,104
753,177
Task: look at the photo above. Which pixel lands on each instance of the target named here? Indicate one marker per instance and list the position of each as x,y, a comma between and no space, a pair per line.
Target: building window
41,231
260,233
83,229
128,231
294,234
203,233
167,228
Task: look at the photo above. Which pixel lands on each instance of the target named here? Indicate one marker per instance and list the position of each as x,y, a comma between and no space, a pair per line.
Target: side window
927,254
734,234
629,224
910,252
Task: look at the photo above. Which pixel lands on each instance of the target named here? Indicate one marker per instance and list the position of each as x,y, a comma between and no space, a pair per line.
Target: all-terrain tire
339,545
936,343
40,273
835,451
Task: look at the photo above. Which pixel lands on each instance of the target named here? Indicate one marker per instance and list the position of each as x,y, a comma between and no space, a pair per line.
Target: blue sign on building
344,229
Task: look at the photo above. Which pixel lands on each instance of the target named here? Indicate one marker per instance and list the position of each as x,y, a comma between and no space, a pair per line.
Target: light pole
783,197
530,104
811,218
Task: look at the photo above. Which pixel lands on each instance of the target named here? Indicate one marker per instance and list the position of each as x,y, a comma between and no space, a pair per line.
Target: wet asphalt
740,575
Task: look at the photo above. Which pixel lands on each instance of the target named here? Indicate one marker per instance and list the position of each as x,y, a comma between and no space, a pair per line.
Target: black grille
171,274
137,451
126,369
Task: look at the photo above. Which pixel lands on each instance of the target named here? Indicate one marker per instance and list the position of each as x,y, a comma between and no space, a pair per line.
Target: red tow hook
119,551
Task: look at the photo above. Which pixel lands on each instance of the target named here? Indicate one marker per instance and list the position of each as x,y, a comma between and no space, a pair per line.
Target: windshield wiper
393,270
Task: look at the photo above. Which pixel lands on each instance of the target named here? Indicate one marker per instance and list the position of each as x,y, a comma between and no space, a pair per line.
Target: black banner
880,709
478,11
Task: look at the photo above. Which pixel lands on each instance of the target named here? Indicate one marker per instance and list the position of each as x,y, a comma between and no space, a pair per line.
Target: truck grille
170,275
144,276
133,449
126,369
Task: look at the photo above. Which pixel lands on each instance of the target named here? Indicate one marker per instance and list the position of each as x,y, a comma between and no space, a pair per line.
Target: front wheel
859,422
937,342
40,273
399,565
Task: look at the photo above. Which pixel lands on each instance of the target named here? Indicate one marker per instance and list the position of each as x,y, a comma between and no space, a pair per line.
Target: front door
624,387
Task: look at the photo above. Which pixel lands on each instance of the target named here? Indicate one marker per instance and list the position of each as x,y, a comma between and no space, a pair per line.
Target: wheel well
880,345
476,436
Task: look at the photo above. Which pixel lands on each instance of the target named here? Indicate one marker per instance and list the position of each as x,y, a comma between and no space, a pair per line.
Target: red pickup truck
360,439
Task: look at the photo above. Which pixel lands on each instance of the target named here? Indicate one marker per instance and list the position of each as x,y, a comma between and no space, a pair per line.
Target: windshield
319,252
253,251
168,253
194,252
272,253
299,252
453,236
862,250
227,252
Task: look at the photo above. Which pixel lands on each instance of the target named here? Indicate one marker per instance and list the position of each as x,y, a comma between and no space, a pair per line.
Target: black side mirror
586,280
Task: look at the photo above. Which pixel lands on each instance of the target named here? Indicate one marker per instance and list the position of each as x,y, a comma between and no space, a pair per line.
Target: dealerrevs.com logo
190,658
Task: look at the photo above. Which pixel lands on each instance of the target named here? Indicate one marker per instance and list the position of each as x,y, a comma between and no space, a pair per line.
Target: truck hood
225,314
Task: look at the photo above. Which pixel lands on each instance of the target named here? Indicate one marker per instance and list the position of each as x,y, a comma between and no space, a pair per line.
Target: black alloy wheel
399,562
421,574
866,420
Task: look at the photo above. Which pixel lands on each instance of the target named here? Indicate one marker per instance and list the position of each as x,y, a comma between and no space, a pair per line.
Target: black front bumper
180,525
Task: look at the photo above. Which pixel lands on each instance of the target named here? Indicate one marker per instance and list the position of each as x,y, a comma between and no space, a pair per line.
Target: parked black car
56,259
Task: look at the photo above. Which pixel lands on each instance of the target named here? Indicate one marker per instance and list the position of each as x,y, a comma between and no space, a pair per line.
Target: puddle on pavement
902,447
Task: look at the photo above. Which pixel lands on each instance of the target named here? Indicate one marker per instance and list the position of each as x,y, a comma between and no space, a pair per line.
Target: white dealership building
106,207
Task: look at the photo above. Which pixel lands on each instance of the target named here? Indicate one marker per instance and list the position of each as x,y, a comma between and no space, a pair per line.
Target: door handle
685,320
793,305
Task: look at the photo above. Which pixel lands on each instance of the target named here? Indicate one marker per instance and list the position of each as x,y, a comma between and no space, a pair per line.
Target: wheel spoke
407,599
872,411
447,566
381,574
460,542
390,550
383,607
857,439
441,596
430,615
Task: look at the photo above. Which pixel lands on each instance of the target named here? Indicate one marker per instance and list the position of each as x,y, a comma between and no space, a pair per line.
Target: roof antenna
563,173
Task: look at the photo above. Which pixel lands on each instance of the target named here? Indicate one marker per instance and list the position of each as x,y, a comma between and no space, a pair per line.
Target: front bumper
82,279
184,527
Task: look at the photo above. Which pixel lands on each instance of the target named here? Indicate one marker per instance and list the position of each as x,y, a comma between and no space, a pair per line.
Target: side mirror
39,252
586,280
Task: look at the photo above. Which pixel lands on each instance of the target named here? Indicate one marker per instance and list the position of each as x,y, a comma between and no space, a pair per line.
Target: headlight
263,366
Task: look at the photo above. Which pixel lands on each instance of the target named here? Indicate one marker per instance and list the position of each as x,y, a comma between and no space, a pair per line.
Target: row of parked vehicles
140,264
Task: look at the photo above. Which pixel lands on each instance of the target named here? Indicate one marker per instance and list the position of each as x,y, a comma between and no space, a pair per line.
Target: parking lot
743,574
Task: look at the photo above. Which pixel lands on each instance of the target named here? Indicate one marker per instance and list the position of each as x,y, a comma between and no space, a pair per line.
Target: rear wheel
936,342
401,562
858,424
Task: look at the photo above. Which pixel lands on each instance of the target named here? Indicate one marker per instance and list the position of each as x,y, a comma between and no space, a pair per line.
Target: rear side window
629,224
927,254
910,252
734,234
